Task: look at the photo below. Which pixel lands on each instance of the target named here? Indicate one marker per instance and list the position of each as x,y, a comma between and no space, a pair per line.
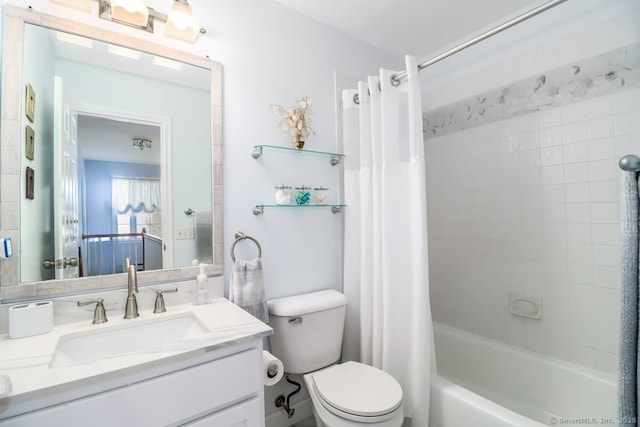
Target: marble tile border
54,288
603,74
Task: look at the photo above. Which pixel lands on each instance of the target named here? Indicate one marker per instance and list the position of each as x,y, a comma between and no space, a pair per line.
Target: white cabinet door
167,400
245,414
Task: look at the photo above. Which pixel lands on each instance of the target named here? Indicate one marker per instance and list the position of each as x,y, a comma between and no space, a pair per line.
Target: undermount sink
140,336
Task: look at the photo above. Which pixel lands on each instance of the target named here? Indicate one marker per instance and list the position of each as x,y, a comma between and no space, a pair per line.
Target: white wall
529,204
272,55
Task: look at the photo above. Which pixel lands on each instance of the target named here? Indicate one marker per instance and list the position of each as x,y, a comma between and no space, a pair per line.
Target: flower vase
297,141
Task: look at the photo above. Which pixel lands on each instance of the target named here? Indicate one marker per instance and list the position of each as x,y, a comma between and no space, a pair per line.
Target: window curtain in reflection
135,195
629,357
386,277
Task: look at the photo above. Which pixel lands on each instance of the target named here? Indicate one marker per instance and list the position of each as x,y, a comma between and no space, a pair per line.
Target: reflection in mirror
121,188
120,139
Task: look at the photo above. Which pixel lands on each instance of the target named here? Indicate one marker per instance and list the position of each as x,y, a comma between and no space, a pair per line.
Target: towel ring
241,236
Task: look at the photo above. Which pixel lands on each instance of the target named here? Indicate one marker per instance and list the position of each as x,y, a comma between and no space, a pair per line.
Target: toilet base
324,418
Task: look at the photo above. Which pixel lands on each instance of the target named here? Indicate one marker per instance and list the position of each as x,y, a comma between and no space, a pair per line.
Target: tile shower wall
528,205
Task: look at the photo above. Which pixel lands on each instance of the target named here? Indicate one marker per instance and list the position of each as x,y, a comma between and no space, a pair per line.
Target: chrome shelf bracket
259,209
257,152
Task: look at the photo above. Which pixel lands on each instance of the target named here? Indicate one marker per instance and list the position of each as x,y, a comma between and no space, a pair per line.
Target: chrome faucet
131,309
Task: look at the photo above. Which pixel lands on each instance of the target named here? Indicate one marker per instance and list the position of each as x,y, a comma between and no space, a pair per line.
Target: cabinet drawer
246,414
167,400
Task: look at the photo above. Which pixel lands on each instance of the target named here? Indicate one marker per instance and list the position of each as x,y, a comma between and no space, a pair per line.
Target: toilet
307,338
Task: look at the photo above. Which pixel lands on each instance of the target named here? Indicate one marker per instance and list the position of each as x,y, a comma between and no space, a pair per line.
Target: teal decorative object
303,195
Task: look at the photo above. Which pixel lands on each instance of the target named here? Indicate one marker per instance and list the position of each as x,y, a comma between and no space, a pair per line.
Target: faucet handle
159,306
99,315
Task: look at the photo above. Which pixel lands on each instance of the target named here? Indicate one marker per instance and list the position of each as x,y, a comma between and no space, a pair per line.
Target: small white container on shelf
321,195
283,195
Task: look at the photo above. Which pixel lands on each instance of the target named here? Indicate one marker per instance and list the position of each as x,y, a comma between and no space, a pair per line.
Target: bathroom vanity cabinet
219,389
212,379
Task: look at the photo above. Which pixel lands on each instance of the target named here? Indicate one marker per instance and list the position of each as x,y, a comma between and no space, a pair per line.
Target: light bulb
181,24
132,11
181,20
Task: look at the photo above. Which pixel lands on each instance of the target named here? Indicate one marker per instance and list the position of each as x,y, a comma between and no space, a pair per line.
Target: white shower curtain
386,265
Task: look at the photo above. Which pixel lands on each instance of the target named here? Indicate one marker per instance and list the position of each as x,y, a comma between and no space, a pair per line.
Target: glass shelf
259,209
334,158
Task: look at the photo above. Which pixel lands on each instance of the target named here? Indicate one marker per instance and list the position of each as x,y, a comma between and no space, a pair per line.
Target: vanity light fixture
127,13
134,12
141,143
179,24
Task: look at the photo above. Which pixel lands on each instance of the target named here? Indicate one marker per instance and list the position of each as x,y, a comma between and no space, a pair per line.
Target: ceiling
415,27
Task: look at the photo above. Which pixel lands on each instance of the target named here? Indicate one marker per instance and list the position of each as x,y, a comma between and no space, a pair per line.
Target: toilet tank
307,330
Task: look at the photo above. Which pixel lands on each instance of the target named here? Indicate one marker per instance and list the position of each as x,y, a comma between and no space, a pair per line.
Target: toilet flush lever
295,320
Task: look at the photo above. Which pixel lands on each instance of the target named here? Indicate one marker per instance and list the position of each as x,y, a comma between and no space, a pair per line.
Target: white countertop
26,360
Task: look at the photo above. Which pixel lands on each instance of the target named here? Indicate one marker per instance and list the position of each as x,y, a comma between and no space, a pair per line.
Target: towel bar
241,236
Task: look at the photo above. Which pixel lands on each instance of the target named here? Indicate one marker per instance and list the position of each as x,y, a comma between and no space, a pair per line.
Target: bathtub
484,383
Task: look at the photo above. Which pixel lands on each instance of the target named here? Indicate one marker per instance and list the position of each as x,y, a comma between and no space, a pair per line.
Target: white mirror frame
10,151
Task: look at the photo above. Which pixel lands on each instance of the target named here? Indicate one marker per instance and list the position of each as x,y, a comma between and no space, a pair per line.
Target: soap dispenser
202,288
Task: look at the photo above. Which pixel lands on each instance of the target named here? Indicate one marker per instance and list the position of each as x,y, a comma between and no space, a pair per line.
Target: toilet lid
358,389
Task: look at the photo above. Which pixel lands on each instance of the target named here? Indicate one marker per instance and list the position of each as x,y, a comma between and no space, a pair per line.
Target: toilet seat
358,392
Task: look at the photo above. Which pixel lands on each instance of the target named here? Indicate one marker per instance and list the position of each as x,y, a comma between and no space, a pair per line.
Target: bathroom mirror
138,115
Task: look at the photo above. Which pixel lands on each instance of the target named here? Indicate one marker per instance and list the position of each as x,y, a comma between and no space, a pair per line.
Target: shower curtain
386,267
628,369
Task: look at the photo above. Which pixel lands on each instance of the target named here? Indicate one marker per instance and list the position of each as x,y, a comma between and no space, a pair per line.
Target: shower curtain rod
396,79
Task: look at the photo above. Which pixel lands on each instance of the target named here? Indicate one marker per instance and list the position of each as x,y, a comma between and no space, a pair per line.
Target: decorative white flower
297,119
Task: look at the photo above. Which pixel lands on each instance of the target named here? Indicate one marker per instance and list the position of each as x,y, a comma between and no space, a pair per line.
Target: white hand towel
246,288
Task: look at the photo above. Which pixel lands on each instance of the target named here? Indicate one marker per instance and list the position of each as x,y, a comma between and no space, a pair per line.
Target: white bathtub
484,383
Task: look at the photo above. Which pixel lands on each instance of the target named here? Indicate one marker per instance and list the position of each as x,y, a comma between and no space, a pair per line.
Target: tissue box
30,319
